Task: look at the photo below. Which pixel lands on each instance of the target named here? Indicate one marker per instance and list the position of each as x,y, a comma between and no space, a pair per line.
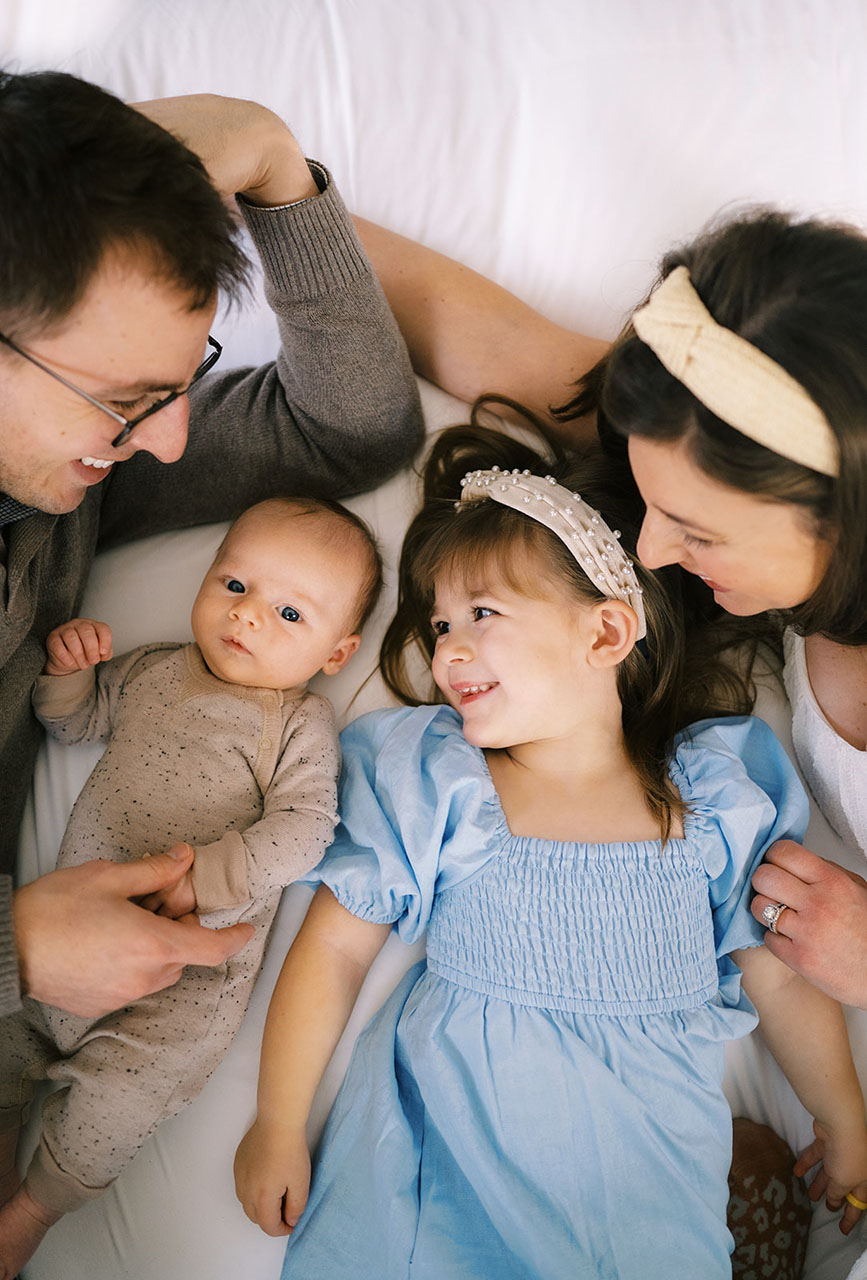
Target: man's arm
470,336
338,411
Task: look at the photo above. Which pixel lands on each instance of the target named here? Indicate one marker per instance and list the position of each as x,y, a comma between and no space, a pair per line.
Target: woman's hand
272,1177
246,148
823,933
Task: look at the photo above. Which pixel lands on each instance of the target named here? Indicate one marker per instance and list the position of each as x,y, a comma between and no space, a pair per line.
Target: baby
215,745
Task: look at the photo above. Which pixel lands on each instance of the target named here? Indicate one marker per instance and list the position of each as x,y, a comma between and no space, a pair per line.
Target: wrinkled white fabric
835,771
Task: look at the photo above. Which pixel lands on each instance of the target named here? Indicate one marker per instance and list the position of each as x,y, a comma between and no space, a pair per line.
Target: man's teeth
99,463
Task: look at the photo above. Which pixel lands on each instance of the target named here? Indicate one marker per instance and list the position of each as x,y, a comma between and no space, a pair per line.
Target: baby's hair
653,681
348,531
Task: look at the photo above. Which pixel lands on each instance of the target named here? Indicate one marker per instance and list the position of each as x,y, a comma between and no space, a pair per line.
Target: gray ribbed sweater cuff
10,989
311,247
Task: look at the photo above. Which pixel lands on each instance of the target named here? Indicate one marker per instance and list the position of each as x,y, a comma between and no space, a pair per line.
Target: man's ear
614,631
341,655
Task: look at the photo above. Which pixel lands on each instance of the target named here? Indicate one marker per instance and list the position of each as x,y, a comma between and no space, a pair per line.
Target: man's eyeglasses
127,424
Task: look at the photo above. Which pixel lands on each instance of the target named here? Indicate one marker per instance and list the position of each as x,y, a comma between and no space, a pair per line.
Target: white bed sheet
556,145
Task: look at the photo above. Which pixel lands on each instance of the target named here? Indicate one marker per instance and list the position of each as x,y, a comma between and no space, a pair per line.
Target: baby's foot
10,1178
23,1224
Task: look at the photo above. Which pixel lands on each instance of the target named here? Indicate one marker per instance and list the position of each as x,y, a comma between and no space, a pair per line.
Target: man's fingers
205,946
148,875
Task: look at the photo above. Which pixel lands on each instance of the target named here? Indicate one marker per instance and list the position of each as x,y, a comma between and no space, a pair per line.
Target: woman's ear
614,629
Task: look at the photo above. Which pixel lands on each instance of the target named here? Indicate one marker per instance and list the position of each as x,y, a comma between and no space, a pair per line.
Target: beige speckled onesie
249,779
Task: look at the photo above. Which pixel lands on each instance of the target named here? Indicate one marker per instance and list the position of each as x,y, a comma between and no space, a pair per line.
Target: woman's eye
232,584
288,614
692,541
439,627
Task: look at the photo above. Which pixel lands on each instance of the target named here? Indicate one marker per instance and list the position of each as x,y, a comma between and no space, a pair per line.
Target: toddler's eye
233,584
480,611
439,627
289,614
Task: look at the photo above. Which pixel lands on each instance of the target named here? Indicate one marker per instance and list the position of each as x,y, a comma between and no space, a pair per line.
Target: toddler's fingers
851,1212
809,1157
819,1186
266,1212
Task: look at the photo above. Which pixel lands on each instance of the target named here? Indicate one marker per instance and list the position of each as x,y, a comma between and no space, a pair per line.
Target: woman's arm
805,1031
470,336
311,1004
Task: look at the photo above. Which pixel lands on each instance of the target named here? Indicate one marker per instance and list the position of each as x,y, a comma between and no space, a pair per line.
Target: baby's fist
77,645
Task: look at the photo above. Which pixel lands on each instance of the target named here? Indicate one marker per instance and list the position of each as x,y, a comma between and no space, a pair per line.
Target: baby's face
276,605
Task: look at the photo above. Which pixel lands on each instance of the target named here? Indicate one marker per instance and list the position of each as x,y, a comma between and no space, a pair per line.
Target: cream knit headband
584,532
732,378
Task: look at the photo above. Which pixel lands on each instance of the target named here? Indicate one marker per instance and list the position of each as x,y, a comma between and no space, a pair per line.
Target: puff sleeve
743,794
416,808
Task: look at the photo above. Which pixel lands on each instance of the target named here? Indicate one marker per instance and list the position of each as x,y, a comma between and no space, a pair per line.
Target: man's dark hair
81,173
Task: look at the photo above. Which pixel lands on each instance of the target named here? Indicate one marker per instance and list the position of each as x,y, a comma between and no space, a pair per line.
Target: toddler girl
542,1098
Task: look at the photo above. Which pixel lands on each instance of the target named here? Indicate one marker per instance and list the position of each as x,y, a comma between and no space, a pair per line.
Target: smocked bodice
597,929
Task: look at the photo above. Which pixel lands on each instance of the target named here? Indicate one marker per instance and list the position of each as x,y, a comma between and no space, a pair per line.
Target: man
113,246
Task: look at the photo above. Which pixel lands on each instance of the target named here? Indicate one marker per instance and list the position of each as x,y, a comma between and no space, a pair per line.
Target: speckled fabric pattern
249,779
769,1210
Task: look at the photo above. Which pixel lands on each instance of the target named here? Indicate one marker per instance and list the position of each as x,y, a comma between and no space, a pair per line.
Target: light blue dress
541,1100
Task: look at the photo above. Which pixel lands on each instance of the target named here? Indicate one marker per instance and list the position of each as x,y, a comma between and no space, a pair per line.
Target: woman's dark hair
659,692
797,290
81,173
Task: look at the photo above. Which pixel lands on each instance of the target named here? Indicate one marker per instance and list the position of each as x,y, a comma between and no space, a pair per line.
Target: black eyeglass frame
128,424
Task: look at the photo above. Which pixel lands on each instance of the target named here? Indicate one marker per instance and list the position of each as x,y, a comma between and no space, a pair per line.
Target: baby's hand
842,1172
177,901
272,1177
77,645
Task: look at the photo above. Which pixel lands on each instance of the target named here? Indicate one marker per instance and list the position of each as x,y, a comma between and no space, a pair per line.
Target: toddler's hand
178,900
77,645
272,1177
842,1161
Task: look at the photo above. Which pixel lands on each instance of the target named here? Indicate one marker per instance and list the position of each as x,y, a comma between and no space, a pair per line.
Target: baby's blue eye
289,614
234,585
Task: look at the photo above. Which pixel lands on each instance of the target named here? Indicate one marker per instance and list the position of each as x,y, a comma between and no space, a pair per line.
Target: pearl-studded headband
595,547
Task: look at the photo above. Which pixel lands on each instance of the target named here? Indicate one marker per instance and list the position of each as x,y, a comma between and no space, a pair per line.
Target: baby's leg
24,1054
23,1224
132,1070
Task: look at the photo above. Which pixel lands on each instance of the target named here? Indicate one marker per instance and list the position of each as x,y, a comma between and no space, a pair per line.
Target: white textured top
835,771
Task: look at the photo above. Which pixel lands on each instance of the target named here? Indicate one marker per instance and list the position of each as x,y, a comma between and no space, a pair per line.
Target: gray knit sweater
335,414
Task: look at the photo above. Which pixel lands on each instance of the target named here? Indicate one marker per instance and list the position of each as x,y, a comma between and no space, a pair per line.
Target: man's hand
823,934
86,948
245,148
178,899
76,645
